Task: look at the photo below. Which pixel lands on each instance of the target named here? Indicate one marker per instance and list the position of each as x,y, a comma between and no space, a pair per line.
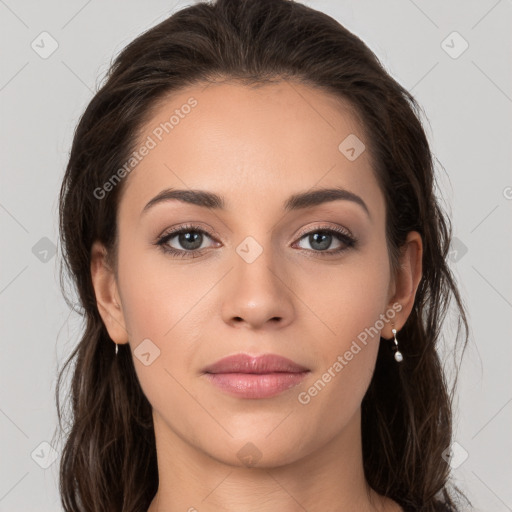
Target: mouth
255,377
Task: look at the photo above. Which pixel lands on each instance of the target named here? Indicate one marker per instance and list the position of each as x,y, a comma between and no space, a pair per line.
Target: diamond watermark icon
455,455
249,454
44,45
44,250
457,250
146,352
249,250
44,455
352,147
454,45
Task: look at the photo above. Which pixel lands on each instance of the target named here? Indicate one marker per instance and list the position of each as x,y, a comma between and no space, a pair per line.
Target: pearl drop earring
398,355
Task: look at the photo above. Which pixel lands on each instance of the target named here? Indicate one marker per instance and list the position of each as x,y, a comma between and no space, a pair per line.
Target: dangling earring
116,349
398,355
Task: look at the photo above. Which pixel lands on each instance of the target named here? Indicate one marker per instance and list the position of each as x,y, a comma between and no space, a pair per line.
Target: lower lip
252,385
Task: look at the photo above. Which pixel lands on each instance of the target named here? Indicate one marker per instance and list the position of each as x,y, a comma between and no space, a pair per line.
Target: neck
191,480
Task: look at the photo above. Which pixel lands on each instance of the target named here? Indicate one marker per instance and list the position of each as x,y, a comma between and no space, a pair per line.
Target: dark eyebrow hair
295,202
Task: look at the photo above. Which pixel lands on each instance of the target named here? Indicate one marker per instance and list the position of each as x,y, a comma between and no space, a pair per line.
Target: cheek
166,311
161,303
348,297
159,297
346,357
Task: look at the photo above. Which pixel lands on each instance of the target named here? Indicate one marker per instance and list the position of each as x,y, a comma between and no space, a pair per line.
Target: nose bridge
255,266
257,291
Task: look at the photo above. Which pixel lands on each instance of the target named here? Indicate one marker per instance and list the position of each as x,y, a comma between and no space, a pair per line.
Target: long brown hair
109,460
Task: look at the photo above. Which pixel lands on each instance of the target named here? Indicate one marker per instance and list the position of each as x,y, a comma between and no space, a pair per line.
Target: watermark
352,146
458,250
304,397
249,249
44,45
146,352
44,250
249,454
150,143
454,45
507,192
455,455
44,455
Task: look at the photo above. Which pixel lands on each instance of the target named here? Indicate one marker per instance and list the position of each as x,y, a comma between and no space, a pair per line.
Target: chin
260,450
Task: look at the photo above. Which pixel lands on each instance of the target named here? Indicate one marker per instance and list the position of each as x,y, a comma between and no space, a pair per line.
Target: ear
406,281
107,296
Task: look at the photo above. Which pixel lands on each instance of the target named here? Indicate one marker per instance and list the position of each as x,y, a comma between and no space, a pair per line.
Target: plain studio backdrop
456,60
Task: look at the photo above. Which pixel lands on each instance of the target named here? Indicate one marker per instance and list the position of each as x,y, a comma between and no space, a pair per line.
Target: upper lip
245,363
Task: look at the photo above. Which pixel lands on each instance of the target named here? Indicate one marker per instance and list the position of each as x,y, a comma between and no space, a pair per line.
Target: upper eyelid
337,230
186,228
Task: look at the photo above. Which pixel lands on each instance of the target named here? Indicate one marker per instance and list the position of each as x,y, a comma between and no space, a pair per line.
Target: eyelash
340,234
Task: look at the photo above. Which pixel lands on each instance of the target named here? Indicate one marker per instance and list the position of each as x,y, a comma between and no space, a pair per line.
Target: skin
255,147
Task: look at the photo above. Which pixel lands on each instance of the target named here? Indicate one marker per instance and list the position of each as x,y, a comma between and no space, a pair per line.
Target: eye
321,239
189,237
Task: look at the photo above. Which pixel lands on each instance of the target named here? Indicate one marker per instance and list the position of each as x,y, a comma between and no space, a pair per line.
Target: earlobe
107,296
407,280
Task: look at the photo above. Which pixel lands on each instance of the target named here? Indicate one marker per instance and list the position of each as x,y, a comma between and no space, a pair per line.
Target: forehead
248,144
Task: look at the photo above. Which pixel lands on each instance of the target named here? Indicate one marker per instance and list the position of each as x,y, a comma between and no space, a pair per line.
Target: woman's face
265,277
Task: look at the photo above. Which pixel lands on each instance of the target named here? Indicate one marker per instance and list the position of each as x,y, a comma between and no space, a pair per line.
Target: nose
258,295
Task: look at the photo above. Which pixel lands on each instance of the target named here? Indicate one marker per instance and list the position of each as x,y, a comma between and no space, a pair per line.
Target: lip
260,376
245,363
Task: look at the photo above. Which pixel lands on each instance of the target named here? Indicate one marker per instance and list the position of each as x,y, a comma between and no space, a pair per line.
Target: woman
249,218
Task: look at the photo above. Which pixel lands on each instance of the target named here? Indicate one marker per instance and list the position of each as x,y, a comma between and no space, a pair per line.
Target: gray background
467,101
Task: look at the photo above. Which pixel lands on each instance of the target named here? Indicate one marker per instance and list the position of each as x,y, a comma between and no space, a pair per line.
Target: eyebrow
299,201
